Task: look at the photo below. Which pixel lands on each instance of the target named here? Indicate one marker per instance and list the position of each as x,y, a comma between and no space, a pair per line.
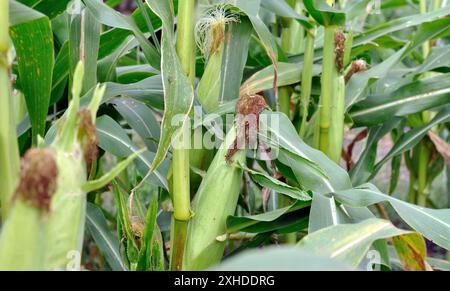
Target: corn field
227,135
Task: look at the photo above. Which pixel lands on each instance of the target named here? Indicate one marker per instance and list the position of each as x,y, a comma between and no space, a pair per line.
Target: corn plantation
155,135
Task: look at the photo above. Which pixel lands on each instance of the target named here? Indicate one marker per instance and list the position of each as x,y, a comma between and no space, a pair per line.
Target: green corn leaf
411,98
282,259
399,24
107,66
232,69
108,16
60,73
123,217
412,137
178,91
314,171
324,14
438,264
358,83
149,91
385,28
276,185
32,36
251,9
258,223
288,74
438,58
84,38
110,40
146,252
107,243
114,140
363,169
51,8
349,243
141,119
114,172
432,223
281,8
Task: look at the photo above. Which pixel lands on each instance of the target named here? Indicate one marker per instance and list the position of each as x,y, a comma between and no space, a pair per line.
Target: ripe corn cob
218,194
211,39
215,200
211,34
45,228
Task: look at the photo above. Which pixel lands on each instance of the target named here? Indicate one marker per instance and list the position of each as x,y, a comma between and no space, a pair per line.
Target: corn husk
21,248
215,200
45,229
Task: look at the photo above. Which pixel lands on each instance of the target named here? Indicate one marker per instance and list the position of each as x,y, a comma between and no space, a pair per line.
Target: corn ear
4,24
208,89
46,228
9,153
24,225
65,226
211,41
22,239
215,200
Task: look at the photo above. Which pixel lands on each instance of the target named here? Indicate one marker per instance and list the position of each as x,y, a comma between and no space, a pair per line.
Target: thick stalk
423,151
186,36
292,40
180,160
412,193
284,99
329,73
292,35
336,135
422,172
9,153
306,83
411,190
178,237
181,188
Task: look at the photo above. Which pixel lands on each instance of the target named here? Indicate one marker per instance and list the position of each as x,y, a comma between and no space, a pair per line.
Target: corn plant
186,135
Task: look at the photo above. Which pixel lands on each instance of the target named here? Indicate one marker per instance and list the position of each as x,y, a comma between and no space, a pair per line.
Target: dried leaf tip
38,178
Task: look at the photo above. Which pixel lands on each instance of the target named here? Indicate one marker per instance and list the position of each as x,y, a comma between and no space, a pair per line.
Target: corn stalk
329,89
180,159
306,79
423,148
292,42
